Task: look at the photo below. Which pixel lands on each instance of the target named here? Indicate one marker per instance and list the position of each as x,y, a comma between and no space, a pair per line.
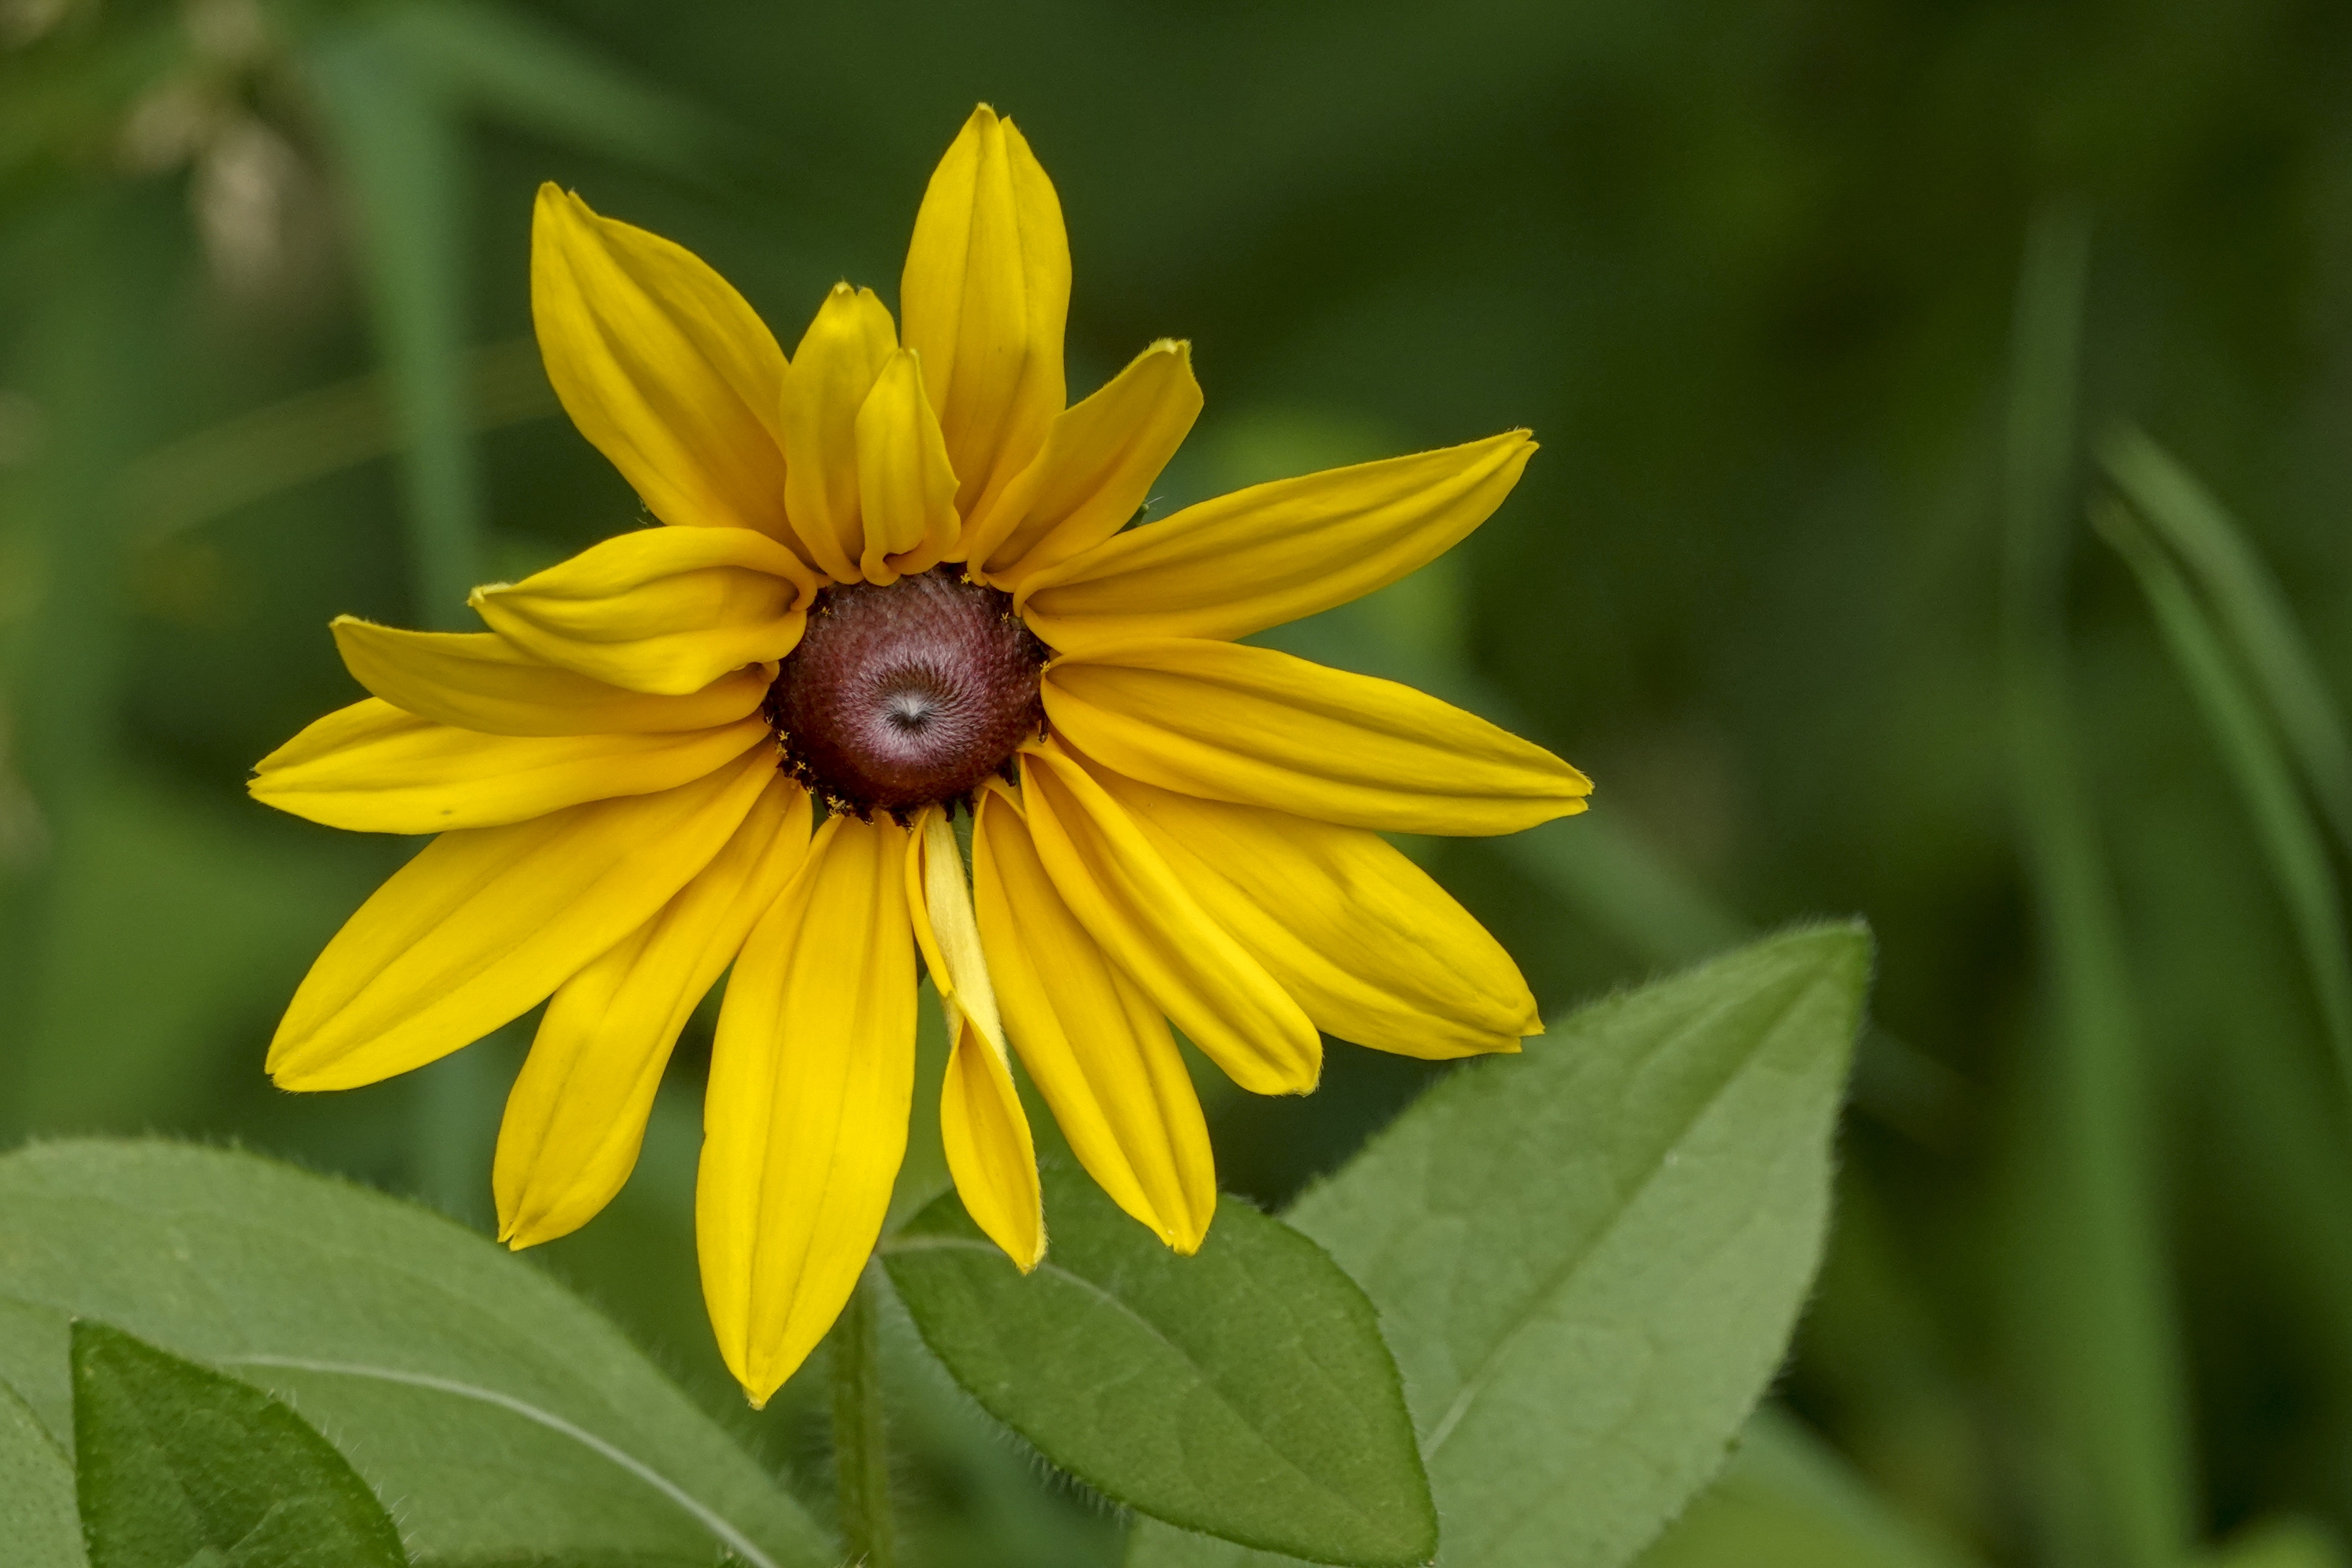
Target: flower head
896,580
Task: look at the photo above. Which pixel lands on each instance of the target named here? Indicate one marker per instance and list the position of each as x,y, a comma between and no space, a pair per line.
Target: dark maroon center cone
907,696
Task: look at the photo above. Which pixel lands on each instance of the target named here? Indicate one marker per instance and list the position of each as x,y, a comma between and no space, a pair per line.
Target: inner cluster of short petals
894,581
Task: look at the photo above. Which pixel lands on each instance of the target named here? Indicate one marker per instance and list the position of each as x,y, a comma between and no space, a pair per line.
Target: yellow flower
898,580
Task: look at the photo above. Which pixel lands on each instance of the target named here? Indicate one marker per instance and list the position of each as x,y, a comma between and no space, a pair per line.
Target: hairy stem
861,1455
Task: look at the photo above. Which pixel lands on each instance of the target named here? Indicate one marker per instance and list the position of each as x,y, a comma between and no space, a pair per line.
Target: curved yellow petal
991,1155
906,489
811,1081
1125,894
661,364
577,1113
843,350
983,299
1097,1048
1273,553
1095,471
940,900
986,1132
485,923
1227,722
371,768
1373,949
478,680
665,611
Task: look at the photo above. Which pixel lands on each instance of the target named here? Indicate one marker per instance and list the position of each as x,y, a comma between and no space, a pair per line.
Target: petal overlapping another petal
1139,911
1370,944
1273,553
1227,722
840,356
484,924
372,768
576,1116
1095,1046
983,1127
812,1077
478,680
983,299
665,611
906,489
1096,471
662,366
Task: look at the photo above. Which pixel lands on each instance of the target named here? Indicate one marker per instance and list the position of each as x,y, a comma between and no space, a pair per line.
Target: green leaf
36,1492
180,1464
1243,1391
495,1413
1788,1501
1589,1257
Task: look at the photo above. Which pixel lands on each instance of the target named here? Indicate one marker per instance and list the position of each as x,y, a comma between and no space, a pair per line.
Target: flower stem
861,1454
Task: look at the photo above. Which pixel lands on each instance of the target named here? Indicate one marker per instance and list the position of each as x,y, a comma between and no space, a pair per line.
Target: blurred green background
1820,308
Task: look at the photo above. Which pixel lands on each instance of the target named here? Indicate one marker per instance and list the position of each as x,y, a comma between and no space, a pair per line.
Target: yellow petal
1096,471
941,903
485,923
906,489
1123,892
666,611
811,1080
1255,727
981,1124
661,364
990,1153
1277,551
371,768
1097,1050
1373,949
478,680
577,1113
840,354
984,295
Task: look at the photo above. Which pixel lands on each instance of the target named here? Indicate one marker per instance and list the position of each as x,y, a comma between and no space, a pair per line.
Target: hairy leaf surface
1588,1259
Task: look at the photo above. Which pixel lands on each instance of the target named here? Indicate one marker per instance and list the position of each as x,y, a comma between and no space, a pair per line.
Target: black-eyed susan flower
896,580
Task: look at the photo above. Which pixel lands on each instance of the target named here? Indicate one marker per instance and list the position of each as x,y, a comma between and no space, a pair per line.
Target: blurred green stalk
397,137
2289,838
396,134
2250,606
2100,1330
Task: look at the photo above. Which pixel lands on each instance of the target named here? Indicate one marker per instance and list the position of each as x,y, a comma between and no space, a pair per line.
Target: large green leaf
36,1493
181,1465
1588,1259
1243,1391
492,1411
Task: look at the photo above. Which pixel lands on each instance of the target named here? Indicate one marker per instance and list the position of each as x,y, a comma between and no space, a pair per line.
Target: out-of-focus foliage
1749,272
